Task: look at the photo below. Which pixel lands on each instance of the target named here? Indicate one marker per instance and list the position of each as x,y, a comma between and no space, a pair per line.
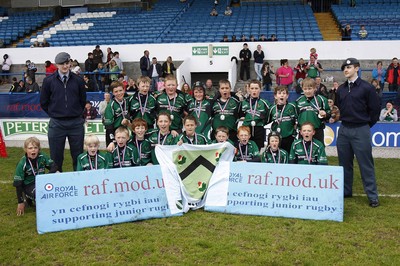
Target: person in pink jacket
284,74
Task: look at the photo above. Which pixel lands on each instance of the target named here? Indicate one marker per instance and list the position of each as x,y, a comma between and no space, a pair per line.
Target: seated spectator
262,38
273,38
44,43
346,33
252,38
31,86
90,112
214,12
35,44
225,39
228,11
388,114
243,38
363,33
234,38
75,68
321,88
16,86
335,112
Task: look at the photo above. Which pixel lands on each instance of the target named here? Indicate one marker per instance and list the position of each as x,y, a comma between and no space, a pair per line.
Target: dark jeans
61,129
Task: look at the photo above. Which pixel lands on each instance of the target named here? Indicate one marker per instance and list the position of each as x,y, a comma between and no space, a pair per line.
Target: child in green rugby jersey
307,149
124,154
92,158
143,146
33,163
283,116
273,154
246,149
189,135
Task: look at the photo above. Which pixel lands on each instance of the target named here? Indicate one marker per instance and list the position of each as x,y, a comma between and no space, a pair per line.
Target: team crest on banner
192,169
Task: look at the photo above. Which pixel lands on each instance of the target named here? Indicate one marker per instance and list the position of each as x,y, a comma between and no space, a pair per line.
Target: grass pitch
368,236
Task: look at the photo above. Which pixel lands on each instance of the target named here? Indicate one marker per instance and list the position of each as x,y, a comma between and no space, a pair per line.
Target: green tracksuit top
312,152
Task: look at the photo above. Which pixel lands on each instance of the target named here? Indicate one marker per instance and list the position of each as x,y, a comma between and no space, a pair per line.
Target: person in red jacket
393,75
50,68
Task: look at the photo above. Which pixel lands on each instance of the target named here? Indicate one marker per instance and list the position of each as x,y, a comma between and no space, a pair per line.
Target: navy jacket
63,102
359,105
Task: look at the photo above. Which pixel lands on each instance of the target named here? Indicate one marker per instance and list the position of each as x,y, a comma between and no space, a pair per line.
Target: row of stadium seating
381,20
172,21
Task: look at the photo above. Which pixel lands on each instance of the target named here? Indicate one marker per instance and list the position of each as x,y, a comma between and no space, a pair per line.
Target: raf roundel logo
48,187
348,62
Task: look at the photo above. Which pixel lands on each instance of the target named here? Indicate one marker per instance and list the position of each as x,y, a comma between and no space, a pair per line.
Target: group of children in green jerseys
131,135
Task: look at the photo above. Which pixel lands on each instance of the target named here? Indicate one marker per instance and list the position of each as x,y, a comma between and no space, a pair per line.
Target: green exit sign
200,50
221,50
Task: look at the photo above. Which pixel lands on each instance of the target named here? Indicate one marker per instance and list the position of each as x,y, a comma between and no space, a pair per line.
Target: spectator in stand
132,88
314,68
228,11
90,112
5,68
145,63
50,68
118,61
273,38
300,69
17,86
379,90
75,68
379,73
245,56
262,38
168,67
63,98
89,85
362,33
313,53
266,71
30,70
154,72
186,89
100,76
333,93
90,66
210,91
388,114
252,38
335,112
321,88
225,38
103,104
393,75
234,38
258,61
346,33
110,55
97,55
284,74
115,71
214,12
31,86
45,43
243,38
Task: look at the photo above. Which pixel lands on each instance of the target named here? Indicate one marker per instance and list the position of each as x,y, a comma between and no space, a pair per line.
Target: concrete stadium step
328,26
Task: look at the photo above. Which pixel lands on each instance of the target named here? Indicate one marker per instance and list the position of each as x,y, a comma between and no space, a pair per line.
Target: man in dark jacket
145,63
245,56
63,98
154,72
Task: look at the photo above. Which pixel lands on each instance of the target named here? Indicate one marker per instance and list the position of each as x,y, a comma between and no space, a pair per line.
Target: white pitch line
6,182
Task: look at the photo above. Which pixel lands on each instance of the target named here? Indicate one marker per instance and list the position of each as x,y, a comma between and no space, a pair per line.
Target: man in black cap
63,98
359,111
